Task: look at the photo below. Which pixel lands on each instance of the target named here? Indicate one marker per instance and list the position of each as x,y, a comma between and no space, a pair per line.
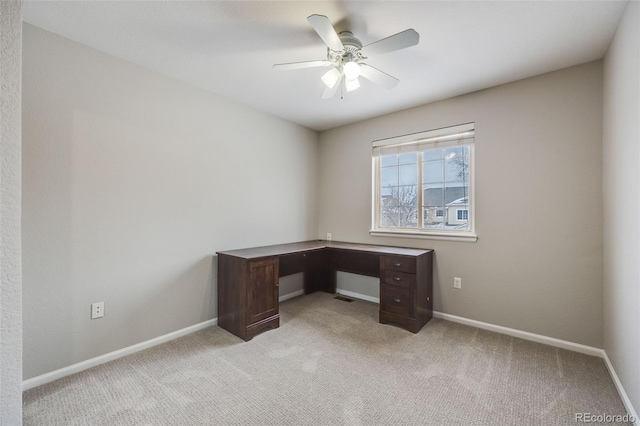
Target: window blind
440,138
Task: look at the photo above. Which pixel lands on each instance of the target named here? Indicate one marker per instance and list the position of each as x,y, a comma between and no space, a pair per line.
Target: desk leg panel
232,278
317,274
425,288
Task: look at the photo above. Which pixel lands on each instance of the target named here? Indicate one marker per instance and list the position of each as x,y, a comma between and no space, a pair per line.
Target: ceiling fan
345,54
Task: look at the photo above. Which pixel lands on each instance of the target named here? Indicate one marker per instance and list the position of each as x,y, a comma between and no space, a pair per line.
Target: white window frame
463,134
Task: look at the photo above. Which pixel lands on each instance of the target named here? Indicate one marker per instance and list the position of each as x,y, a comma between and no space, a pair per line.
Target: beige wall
10,184
538,150
621,155
132,181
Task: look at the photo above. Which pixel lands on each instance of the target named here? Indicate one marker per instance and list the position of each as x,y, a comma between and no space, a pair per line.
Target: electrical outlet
328,236
457,282
97,310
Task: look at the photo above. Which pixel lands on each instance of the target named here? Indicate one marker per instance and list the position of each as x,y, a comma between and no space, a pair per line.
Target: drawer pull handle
397,300
397,279
397,264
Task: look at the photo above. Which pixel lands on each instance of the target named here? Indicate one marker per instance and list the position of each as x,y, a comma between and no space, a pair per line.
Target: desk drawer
400,263
397,300
293,263
400,279
362,263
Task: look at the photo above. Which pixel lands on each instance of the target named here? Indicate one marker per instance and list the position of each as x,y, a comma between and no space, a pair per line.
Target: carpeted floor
331,363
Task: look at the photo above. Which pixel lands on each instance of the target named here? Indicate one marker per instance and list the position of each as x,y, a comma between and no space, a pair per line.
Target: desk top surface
305,246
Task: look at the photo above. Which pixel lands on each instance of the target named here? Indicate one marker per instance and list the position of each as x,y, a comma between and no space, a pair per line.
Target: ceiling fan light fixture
351,70
352,84
345,54
330,78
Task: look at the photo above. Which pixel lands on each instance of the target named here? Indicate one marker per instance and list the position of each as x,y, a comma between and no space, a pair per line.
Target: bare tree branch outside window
400,207
462,164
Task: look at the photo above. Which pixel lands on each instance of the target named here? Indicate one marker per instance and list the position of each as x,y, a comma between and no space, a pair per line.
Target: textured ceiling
229,47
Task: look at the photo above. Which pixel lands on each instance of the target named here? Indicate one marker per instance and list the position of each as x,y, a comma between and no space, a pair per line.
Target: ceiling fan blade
331,92
377,76
325,30
406,38
299,65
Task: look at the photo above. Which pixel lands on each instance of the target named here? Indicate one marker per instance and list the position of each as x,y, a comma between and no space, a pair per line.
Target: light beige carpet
331,363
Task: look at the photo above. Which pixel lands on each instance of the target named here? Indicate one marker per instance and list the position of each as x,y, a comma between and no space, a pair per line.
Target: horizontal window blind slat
433,139
440,143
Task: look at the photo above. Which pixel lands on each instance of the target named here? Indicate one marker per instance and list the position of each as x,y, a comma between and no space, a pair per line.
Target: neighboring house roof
463,200
434,196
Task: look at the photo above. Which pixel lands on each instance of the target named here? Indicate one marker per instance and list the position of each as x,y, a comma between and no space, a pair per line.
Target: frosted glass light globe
330,78
351,84
351,70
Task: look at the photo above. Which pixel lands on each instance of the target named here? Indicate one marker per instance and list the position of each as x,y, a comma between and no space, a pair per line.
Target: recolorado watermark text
603,418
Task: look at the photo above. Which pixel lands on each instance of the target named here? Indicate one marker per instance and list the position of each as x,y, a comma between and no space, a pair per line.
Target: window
423,184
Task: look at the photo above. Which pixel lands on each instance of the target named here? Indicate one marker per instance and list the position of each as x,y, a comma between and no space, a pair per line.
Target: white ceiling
228,47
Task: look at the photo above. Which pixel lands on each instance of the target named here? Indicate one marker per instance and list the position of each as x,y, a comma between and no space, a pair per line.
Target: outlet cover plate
97,310
457,282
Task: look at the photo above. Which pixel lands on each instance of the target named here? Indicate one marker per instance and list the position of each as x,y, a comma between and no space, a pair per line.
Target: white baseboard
290,295
551,341
84,365
358,296
576,347
623,394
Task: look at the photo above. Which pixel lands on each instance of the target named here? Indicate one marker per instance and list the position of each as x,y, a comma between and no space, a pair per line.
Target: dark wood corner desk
248,281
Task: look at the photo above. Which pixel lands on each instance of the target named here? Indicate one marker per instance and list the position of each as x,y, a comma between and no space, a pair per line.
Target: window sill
462,237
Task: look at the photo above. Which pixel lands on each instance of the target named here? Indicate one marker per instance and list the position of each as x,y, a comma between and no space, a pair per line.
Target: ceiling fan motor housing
350,42
351,50
344,52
